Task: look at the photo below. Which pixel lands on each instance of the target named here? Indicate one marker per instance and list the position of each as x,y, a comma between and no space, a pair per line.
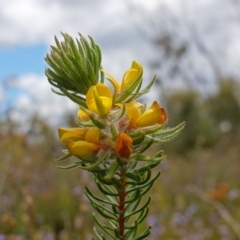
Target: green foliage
200,129
224,106
74,67
122,208
112,155
123,185
206,117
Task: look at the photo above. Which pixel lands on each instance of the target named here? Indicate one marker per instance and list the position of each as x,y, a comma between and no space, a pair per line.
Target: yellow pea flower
93,135
129,76
154,114
79,141
81,148
71,134
99,99
123,145
82,115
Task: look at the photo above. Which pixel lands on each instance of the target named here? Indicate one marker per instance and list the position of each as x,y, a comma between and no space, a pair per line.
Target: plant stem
121,203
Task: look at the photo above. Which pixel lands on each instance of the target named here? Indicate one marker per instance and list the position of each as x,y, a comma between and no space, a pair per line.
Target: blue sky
16,61
19,59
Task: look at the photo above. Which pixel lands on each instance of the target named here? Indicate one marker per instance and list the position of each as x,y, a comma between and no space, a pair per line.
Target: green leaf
94,165
140,157
133,176
127,91
105,192
95,199
101,212
148,87
133,197
144,234
70,166
132,232
100,123
131,213
74,64
138,138
97,234
144,146
143,185
143,215
63,158
144,168
74,98
112,170
153,129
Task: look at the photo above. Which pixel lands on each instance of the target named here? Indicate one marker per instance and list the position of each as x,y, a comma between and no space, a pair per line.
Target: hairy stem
121,203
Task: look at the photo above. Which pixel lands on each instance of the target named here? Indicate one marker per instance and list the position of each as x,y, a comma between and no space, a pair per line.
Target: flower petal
82,115
150,117
163,117
123,145
81,148
104,90
71,133
103,104
133,112
112,80
129,77
99,99
137,66
93,135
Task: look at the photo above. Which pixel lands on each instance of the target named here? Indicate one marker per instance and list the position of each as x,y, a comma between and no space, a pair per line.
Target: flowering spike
114,132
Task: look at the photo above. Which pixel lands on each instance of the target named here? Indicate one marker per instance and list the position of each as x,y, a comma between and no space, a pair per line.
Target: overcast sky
124,29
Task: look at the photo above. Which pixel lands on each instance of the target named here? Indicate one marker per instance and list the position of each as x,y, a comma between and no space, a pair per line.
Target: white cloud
121,28
124,31
37,98
108,22
29,22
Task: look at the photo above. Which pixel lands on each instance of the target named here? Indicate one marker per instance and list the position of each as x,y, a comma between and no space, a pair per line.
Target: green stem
114,131
121,203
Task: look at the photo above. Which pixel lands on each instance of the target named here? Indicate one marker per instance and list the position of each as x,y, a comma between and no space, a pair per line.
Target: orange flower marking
163,117
155,114
123,145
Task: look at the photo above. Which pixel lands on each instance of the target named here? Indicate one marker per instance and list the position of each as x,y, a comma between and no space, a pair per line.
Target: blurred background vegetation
39,201
197,196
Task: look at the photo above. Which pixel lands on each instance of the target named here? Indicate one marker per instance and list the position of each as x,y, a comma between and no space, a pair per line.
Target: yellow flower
129,77
79,141
123,145
71,134
154,114
82,115
99,99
